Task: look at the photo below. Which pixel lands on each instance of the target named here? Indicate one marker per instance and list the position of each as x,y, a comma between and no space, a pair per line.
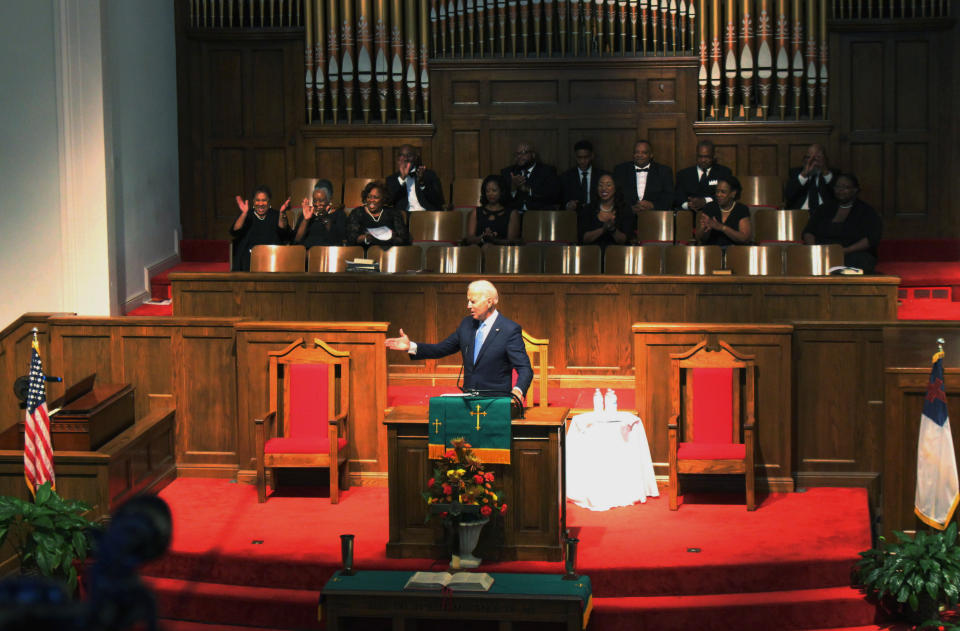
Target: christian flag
937,488
37,449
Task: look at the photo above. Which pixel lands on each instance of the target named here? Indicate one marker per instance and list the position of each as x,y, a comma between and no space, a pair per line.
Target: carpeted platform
233,560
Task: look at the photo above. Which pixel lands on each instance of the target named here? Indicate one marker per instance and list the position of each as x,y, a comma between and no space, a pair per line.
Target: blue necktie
478,341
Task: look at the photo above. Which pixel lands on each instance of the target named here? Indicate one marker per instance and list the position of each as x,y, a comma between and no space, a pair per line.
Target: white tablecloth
608,461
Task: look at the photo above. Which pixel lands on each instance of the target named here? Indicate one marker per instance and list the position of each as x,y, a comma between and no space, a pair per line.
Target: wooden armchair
307,422
712,426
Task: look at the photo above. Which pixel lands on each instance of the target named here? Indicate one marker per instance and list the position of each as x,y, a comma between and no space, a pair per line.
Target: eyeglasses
520,153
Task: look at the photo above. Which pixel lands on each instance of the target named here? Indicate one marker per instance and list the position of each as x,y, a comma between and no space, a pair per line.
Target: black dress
253,232
498,222
328,229
624,219
716,237
360,221
862,221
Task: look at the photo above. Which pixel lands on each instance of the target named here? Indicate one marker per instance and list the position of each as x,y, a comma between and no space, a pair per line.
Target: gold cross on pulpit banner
478,413
436,426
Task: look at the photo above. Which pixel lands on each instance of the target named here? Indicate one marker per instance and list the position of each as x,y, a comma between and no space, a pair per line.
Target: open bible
458,582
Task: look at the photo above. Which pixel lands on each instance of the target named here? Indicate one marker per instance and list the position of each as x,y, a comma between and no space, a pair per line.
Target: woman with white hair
321,223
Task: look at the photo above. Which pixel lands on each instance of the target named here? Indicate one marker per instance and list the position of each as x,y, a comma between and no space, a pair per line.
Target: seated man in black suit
810,185
578,186
697,185
491,345
646,185
413,186
532,184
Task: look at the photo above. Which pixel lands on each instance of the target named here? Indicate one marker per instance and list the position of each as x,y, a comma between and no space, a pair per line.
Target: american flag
37,448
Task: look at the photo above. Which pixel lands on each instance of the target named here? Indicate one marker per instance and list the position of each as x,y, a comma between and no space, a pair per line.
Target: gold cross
436,426
478,413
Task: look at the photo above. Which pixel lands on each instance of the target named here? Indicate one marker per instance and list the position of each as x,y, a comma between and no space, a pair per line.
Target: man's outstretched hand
401,343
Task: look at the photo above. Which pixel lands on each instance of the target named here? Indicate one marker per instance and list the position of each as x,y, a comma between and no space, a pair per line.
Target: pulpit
532,484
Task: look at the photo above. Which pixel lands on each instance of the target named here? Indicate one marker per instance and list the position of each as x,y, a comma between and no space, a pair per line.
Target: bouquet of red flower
459,483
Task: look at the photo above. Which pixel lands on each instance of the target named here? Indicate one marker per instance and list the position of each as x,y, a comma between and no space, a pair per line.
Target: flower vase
469,536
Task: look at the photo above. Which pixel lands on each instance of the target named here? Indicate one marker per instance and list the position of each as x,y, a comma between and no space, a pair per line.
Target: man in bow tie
697,184
531,185
490,345
578,185
810,185
646,185
413,186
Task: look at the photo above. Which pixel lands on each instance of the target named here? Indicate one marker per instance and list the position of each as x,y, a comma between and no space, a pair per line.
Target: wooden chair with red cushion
712,426
307,424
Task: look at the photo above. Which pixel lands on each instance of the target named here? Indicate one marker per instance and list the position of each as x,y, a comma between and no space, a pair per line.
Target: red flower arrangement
459,481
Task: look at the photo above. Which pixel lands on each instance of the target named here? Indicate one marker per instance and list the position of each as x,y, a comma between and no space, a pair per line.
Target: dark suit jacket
544,188
428,188
688,183
659,184
796,193
502,353
570,186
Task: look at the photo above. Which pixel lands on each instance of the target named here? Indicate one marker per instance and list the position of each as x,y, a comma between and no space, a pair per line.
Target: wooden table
349,602
533,485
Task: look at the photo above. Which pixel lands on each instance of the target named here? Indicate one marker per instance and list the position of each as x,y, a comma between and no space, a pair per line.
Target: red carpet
789,561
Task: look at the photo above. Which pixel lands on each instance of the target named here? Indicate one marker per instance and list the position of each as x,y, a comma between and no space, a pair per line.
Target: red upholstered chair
712,426
307,422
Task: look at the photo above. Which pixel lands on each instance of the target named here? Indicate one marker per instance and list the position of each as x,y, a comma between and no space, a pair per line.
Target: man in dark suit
490,344
644,184
810,185
413,186
531,185
697,185
578,186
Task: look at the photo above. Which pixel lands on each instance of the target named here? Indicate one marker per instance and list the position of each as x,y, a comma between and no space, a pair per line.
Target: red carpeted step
160,284
784,611
204,250
148,310
215,603
187,625
928,310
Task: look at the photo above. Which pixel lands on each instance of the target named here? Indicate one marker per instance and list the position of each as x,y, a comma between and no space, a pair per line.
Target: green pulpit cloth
484,422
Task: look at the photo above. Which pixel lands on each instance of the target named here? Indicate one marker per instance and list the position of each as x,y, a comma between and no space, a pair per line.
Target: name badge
712,182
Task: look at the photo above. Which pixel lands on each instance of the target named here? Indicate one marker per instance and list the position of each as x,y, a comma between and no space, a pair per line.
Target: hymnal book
459,582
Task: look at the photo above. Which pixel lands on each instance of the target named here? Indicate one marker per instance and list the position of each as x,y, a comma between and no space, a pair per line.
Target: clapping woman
607,220
263,226
725,221
372,223
322,223
492,222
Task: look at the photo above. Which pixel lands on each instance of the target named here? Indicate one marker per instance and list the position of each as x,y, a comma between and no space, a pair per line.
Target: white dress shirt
410,182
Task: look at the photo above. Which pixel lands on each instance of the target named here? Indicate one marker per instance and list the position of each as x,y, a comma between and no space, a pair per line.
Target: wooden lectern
533,485
89,416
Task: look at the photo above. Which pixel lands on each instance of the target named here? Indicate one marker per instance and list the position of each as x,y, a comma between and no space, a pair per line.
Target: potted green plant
914,577
48,535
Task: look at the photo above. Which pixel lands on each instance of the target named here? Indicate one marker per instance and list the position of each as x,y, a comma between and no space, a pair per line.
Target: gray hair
324,185
486,288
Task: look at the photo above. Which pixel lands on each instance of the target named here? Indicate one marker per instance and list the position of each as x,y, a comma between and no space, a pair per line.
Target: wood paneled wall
838,402
242,120
216,372
893,99
587,317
